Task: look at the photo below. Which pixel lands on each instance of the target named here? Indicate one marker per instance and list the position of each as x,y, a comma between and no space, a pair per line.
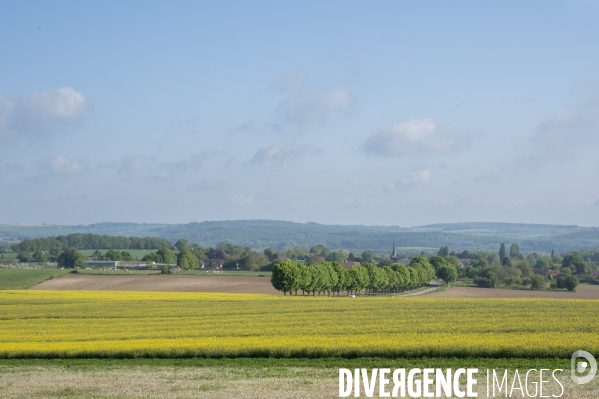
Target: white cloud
303,110
41,114
282,151
61,165
558,137
415,137
150,167
421,176
569,128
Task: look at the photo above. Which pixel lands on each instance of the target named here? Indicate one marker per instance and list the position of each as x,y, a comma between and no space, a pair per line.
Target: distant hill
260,234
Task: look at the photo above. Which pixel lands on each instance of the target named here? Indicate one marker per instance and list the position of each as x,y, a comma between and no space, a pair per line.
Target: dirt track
173,283
583,291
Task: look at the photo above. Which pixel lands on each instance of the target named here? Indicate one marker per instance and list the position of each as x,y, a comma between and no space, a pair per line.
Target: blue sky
388,113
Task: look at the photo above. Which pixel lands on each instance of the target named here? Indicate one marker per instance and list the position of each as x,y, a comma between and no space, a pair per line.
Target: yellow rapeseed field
63,324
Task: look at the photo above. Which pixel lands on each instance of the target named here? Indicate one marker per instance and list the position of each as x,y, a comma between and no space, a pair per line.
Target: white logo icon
582,366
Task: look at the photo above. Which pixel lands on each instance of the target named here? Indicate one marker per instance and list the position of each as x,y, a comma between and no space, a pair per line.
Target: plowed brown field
158,282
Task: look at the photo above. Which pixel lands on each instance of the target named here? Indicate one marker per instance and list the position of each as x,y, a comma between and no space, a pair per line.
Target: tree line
291,276
89,241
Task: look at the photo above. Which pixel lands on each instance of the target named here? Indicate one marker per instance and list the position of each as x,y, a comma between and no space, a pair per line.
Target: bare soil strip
583,291
158,282
214,383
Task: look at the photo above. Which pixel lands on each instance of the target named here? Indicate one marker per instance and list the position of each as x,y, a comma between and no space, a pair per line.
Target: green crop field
8,255
20,279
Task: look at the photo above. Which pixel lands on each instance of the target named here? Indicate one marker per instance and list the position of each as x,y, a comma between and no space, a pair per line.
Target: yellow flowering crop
157,324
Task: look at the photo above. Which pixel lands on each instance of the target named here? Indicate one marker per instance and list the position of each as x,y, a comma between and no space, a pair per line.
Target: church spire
394,256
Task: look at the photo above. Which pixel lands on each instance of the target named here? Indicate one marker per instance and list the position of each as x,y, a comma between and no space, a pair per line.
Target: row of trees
54,245
112,254
291,276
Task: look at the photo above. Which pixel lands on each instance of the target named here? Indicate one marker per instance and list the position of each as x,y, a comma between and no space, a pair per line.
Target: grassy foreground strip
232,378
108,324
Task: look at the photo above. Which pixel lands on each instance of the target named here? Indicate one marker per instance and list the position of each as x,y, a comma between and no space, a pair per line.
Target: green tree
537,282
151,257
489,280
112,254
568,282
385,262
71,258
515,251
502,252
314,259
314,281
23,256
509,275
165,255
403,275
357,278
271,253
331,277
376,277
297,253
453,260
367,256
525,269
480,263
165,269
429,270
437,262
253,260
342,278
285,276
187,260
544,262
447,273
319,250
493,259
443,251
392,278
40,257
304,278
575,262
336,256
182,244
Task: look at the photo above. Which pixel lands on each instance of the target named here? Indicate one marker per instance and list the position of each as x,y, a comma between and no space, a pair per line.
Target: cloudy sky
384,113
